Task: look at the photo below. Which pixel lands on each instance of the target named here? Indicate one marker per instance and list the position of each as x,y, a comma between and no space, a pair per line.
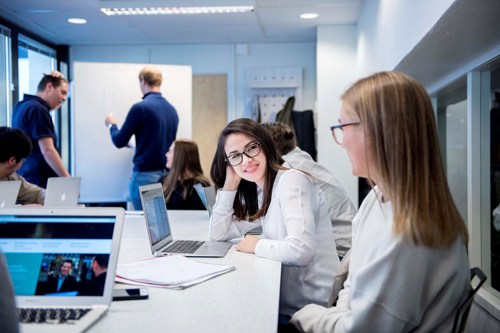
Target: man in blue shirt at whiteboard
154,123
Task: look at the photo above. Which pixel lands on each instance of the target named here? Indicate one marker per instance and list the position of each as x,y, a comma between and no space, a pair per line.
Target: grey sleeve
8,314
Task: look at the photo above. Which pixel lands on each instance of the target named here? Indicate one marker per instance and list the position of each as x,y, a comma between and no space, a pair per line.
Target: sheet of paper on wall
174,271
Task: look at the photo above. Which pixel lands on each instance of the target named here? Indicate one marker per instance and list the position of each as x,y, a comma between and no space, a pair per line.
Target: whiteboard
98,89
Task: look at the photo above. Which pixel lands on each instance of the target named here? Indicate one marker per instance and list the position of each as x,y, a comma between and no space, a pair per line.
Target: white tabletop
243,300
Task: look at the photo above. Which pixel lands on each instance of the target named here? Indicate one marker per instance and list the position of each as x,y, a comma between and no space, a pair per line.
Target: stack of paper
174,271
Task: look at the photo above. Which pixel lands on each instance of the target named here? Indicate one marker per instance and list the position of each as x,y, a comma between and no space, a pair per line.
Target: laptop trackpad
216,249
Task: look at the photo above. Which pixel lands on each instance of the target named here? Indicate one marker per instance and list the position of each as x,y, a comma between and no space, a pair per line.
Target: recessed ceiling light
76,20
177,10
308,16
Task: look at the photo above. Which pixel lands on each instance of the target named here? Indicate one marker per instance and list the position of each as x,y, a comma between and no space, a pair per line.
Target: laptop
37,243
62,192
207,195
9,190
159,232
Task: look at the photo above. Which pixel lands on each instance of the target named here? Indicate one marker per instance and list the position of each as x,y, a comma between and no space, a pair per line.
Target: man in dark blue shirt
154,123
32,115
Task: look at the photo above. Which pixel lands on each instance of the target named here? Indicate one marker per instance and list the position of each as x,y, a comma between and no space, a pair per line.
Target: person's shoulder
294,175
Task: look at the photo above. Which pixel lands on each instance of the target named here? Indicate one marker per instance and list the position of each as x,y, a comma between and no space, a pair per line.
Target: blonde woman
408,268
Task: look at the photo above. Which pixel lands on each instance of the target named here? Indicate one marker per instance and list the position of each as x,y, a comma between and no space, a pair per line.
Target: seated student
8,312
340,207
15,146
95,286
255,188
408,269
183,160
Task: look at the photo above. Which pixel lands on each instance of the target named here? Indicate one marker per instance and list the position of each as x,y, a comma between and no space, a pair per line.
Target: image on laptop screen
157,219
54,255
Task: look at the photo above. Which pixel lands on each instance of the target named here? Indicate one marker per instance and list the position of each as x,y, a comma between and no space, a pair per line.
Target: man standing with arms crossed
154,123
32,115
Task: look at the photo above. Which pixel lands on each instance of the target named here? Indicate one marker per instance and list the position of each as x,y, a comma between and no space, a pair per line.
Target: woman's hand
248,244
232,179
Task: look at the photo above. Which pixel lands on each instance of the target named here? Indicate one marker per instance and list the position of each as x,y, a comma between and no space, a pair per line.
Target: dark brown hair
186,165
283,136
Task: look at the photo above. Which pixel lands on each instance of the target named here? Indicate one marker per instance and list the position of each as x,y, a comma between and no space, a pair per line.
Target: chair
338,281
464,308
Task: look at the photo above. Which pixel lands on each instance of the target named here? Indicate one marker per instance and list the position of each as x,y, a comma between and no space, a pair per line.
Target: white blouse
296,231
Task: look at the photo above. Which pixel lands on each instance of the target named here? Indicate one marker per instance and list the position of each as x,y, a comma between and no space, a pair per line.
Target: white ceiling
272,21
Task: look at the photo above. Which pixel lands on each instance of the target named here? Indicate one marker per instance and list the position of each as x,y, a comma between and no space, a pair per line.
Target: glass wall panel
452,126
494,223
5,77
35,59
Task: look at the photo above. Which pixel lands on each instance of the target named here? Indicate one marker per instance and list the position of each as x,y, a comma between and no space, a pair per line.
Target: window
35,59
5,77
491,76
452,127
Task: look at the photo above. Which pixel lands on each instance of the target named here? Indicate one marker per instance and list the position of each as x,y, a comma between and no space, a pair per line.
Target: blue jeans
142,178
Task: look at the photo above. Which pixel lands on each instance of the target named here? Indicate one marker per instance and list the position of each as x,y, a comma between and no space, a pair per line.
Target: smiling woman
255,188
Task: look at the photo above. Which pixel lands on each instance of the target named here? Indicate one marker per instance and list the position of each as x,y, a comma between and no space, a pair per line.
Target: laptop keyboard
182,246
53,316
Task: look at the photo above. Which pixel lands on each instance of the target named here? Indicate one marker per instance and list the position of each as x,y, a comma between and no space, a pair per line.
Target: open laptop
36,242
207,195
62,192
8,193
160,235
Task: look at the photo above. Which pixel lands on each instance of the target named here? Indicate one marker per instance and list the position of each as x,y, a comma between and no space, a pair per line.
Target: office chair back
464,308
339,279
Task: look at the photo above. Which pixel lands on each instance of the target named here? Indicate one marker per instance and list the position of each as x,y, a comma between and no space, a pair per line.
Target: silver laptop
207,196
37,243
159,232
9,190
62,192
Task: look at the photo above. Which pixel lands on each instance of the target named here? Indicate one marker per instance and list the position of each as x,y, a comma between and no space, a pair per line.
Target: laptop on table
9,190
62,192
207,195
159,231
36,242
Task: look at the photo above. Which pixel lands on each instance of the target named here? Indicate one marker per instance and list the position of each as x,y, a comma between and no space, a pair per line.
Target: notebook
207,196
36,242
159,232
62,192
8,193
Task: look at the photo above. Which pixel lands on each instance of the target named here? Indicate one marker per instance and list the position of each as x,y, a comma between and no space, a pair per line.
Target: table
244,300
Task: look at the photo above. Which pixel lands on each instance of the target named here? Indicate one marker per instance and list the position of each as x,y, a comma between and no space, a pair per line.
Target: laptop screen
155,213
57,255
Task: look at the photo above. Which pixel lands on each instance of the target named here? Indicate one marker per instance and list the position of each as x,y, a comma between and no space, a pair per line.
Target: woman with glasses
254,188
183,161
409,269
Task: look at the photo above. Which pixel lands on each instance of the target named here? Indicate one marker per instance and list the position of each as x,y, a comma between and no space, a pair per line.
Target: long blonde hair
403,152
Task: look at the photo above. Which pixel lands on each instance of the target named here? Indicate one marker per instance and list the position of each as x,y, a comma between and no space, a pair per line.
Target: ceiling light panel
177,10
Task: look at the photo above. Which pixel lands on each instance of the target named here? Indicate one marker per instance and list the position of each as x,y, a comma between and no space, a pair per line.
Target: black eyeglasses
250,151
338,131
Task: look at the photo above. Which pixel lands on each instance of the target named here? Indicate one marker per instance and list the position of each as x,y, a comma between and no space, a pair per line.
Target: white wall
217,59
386,32
389,29
336,59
